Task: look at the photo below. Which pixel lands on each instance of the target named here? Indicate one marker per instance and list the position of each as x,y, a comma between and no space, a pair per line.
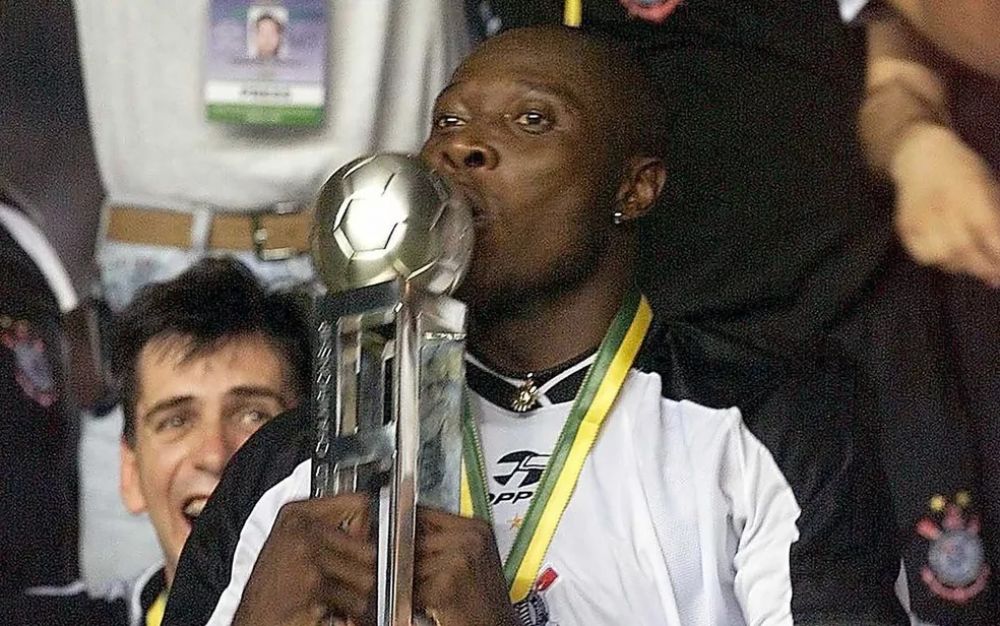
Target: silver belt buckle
260,234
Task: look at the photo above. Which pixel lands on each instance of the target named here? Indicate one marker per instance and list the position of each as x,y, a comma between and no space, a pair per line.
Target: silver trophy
390,243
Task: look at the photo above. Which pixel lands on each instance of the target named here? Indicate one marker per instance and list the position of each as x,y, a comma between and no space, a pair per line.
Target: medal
591,407
526,396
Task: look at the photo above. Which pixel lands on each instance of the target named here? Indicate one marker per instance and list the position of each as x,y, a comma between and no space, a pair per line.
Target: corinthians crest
956,567
32,370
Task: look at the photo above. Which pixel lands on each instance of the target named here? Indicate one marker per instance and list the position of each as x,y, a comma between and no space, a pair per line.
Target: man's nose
215,446
467,153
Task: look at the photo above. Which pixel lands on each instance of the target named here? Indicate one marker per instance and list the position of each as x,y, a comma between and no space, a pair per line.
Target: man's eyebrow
165,405
532,87
447,88
256,391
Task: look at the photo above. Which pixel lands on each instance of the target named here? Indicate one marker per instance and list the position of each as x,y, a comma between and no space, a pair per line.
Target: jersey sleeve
765,514
271,469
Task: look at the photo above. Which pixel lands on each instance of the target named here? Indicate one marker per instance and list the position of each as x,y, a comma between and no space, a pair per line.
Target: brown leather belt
272,235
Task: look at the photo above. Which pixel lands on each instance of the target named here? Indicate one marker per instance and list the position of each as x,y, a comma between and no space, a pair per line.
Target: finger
342,556
968,257
926,248
432,519
435,521
348,573
987,242
344,602
322,510
433,583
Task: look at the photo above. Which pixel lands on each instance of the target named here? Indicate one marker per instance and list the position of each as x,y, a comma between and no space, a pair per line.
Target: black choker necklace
520,391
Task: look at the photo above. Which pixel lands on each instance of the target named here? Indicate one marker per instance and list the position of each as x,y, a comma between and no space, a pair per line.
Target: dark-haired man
641,507
203,361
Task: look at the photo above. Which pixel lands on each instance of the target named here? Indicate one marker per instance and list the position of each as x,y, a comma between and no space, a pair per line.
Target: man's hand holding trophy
381,534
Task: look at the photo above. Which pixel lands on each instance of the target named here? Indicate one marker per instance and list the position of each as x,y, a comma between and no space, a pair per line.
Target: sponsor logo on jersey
519,471
956,568
31,367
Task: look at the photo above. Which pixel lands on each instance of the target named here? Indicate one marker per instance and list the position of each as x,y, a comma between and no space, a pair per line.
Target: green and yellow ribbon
573,13
591,407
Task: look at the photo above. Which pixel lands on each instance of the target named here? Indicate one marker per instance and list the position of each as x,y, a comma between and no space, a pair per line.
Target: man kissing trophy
390,243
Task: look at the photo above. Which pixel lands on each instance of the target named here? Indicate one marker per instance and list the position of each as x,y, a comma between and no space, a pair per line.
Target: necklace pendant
526,396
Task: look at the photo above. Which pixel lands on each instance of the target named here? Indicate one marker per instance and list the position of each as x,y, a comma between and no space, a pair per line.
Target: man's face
191,416
268,38
524,133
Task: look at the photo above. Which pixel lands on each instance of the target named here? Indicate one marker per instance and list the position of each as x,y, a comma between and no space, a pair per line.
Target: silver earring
618,217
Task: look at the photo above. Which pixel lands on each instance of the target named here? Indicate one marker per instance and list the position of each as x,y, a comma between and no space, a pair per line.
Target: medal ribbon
593,402
573,13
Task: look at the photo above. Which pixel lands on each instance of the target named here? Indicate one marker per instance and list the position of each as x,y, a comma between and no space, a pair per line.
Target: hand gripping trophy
390,243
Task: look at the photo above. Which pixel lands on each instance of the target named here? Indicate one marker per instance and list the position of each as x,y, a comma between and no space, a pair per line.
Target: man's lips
475,202
194,506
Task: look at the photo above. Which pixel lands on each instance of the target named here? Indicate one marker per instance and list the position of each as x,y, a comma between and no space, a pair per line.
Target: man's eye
534,121
255,416
448,121
172,422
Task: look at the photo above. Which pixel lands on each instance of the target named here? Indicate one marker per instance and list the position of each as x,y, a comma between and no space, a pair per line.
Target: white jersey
680,517
142,67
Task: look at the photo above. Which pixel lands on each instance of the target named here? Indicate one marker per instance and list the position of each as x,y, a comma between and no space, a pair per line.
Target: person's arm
947,200
261,553
966,30
765,514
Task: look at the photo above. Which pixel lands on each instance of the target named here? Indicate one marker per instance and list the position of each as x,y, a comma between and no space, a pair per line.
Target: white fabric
680,518
253,535
142,63
530,439
131,589
851,9
37,246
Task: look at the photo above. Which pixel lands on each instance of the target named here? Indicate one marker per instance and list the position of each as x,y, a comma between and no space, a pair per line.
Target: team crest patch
31,368
956,568
655,11
533,611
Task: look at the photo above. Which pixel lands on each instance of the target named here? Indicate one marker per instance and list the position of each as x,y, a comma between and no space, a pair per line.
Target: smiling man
608,496
203,361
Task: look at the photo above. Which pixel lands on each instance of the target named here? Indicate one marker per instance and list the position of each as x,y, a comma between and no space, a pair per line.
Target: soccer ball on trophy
388,215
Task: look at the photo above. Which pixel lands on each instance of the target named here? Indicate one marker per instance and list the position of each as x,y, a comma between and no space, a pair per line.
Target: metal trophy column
390,243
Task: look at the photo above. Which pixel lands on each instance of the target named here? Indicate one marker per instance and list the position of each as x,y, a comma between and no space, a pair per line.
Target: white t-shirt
142,66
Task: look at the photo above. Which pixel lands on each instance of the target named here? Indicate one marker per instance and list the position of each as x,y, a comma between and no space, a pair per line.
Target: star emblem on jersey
31,371
956,567
526,396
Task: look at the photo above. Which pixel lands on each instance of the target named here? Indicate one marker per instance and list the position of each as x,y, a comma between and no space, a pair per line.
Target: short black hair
271,18
212,302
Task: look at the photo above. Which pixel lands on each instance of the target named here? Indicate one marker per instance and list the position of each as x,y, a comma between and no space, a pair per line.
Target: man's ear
641,187
128,482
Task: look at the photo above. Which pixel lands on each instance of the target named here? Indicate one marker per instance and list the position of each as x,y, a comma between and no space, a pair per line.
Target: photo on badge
266,27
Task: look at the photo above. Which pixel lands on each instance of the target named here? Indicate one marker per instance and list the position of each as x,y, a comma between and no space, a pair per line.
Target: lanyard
573,13
154,616
590,408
